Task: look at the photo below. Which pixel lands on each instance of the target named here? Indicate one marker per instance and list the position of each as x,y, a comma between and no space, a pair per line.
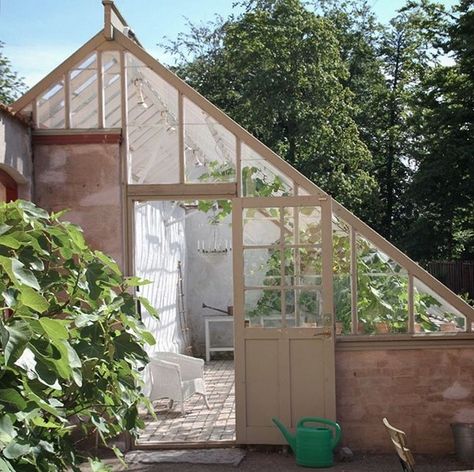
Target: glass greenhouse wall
174,137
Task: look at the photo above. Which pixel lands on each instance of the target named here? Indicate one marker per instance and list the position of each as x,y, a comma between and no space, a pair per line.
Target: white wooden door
283,309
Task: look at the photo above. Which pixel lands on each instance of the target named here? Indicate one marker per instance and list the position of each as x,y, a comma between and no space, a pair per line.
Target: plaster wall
15,152
420,391
86,179
208,280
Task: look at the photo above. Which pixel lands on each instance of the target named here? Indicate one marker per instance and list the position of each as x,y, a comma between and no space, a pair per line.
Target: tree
276,69
442,186
359,35
71,342
11,86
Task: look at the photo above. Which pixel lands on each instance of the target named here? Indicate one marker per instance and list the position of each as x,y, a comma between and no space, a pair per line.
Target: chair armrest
165,380
163,371
190,367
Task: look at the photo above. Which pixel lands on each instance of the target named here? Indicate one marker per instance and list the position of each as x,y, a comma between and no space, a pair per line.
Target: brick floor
199,424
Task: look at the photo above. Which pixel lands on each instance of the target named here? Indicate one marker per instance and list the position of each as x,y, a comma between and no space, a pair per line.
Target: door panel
283,310
261,381
307,377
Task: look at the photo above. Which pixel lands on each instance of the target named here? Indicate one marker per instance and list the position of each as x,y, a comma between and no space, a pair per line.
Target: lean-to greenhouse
299,308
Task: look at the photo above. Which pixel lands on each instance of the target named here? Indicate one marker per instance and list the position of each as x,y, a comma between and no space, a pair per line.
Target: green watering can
312,445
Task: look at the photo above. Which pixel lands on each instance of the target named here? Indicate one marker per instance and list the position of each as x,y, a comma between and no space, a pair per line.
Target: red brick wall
420,391
86,179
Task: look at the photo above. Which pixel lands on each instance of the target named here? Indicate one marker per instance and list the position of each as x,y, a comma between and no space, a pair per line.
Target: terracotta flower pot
382,327
448,327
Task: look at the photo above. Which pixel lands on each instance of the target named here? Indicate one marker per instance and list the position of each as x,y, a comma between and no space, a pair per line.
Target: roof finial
108,27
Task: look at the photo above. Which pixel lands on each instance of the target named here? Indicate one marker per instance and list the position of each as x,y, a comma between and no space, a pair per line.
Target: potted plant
381,324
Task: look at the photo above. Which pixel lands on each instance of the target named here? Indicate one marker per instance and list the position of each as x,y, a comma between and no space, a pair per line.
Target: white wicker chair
177,377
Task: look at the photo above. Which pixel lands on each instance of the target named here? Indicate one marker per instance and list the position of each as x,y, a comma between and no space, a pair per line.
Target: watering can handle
337,429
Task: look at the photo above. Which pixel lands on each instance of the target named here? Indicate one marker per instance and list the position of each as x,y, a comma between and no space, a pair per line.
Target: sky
40,34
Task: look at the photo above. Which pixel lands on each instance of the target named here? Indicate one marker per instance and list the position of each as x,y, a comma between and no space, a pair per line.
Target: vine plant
382,285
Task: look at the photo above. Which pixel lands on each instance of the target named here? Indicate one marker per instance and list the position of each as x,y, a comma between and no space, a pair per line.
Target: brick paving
199,424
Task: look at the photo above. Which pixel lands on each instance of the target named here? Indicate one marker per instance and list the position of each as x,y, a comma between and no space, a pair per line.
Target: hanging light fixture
138,83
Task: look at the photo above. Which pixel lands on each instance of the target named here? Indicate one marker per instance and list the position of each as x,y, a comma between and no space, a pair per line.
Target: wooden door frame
238,204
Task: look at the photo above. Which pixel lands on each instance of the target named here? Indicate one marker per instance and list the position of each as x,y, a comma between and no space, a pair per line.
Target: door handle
324,334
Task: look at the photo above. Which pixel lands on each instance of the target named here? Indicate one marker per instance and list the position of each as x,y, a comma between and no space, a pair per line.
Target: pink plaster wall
419,391
86,179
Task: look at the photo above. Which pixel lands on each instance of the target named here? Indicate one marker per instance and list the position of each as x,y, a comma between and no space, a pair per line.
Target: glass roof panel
51,107
433,313
210,149
152,126
260,178
112,89
83,87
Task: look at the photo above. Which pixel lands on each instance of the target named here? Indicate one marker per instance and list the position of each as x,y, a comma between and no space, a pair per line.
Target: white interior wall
208,280
159,245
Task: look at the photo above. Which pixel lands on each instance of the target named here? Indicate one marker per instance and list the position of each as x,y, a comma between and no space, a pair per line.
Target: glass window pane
370,259
310,266
261,226
263,308
208,146
262,267
433,313
152,126
382,303
309,225
112,89
302,191
83,94
341,275
51,110
304,308
260,178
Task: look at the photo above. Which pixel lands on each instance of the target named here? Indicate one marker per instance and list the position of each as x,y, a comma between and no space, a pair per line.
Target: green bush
71,342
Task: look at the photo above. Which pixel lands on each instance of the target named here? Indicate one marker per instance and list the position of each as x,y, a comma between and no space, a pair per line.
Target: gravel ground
274,462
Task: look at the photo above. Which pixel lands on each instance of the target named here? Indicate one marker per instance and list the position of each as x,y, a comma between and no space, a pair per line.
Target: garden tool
312,445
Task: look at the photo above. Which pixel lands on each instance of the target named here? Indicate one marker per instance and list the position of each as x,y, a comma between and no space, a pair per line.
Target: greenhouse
297,306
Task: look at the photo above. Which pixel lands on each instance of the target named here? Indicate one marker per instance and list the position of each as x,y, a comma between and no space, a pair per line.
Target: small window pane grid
371,292
282,267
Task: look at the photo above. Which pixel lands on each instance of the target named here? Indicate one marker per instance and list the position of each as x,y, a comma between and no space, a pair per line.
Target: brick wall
420,391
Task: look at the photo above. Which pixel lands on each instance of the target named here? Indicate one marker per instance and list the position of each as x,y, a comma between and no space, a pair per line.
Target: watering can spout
288,436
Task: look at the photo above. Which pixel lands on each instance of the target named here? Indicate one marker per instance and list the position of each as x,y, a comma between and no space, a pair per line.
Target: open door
284,336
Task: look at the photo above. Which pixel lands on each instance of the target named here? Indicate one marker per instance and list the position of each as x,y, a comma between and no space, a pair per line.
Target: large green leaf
9,241
4,228
32,210
76,235
108,261
16,449
33,299
54,410
148,307
55,329
7,431
5,466
39,367
15,336
23,275
12,397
